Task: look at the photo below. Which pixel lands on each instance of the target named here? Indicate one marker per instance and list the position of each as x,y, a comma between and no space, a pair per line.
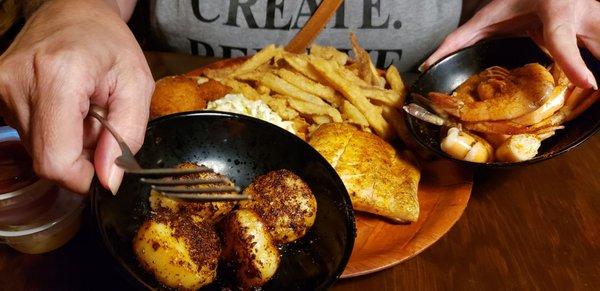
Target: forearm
123,7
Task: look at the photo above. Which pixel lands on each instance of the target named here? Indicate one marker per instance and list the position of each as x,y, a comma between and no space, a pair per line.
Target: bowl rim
350,220
410,120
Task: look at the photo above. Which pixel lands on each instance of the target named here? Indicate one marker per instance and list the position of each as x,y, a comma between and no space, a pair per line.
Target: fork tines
185,182
197,189
208,197
200,190
168,171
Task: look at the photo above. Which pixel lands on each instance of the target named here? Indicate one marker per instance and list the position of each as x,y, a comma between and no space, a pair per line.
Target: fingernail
421,68
592,80
114,179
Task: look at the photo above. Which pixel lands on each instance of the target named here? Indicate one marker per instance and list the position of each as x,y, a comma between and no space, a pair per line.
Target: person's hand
558,25
72,54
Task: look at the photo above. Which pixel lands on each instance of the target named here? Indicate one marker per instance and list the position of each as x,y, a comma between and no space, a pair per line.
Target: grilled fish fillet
378,180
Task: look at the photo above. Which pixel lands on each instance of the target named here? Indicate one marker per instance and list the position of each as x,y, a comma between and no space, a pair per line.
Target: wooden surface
444,192
531,228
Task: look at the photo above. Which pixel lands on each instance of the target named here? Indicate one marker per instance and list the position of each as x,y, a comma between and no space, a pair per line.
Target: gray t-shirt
402,32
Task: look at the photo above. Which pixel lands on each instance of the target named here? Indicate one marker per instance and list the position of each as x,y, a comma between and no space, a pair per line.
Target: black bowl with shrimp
501,103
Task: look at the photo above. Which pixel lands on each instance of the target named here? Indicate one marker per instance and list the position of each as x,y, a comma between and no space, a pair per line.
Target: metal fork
218,189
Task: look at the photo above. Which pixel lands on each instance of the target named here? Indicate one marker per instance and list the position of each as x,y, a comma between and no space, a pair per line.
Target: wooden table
536,227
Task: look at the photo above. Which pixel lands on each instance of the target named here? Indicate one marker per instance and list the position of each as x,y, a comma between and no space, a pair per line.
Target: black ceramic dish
241,148
451,71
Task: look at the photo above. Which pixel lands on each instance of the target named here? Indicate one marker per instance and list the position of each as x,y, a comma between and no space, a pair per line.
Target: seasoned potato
198,211
180,253
284,202
175,94
248,243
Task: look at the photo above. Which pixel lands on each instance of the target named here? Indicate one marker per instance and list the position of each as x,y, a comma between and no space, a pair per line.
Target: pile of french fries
321,87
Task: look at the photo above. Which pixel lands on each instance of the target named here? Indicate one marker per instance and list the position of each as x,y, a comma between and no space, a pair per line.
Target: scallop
284,202
180,253
249,245
199,211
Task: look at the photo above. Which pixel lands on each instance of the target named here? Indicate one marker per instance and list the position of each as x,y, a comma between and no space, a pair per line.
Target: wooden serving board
444,192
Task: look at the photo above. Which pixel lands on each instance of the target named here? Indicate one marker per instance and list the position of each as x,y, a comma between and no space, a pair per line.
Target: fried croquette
284,202
212,90
175,94
180,253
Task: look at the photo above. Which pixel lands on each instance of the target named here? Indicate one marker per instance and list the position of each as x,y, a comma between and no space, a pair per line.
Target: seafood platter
328,148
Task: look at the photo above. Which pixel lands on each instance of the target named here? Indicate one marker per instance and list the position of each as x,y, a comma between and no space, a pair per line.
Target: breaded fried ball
284,202
249,245
198,211
212,90
174,94
180,253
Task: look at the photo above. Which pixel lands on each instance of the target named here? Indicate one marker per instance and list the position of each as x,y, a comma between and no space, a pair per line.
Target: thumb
127,111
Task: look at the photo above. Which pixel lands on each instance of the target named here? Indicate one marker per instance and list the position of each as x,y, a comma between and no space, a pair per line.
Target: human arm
125,7
556,24
72,54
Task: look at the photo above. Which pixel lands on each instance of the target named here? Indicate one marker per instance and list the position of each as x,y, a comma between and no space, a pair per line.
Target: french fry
393,78
250,76
283,87
263,56
321,119
329,53
310,86
313,109
300,64
351,77
222,73
301,127
367,70
242,88
280,106
383,96
396,84
353,114
380,94
263,90
353,93
335,114
397,120
306,107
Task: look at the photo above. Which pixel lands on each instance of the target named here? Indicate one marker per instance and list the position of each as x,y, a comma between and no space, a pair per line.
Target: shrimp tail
446,102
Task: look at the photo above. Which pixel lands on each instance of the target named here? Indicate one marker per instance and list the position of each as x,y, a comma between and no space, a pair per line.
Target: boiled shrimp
508,94
522,124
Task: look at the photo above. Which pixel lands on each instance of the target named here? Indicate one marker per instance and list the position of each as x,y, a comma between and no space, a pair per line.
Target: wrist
31,6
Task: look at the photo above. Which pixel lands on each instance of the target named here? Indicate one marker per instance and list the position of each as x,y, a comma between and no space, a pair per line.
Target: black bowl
450,72
242,148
